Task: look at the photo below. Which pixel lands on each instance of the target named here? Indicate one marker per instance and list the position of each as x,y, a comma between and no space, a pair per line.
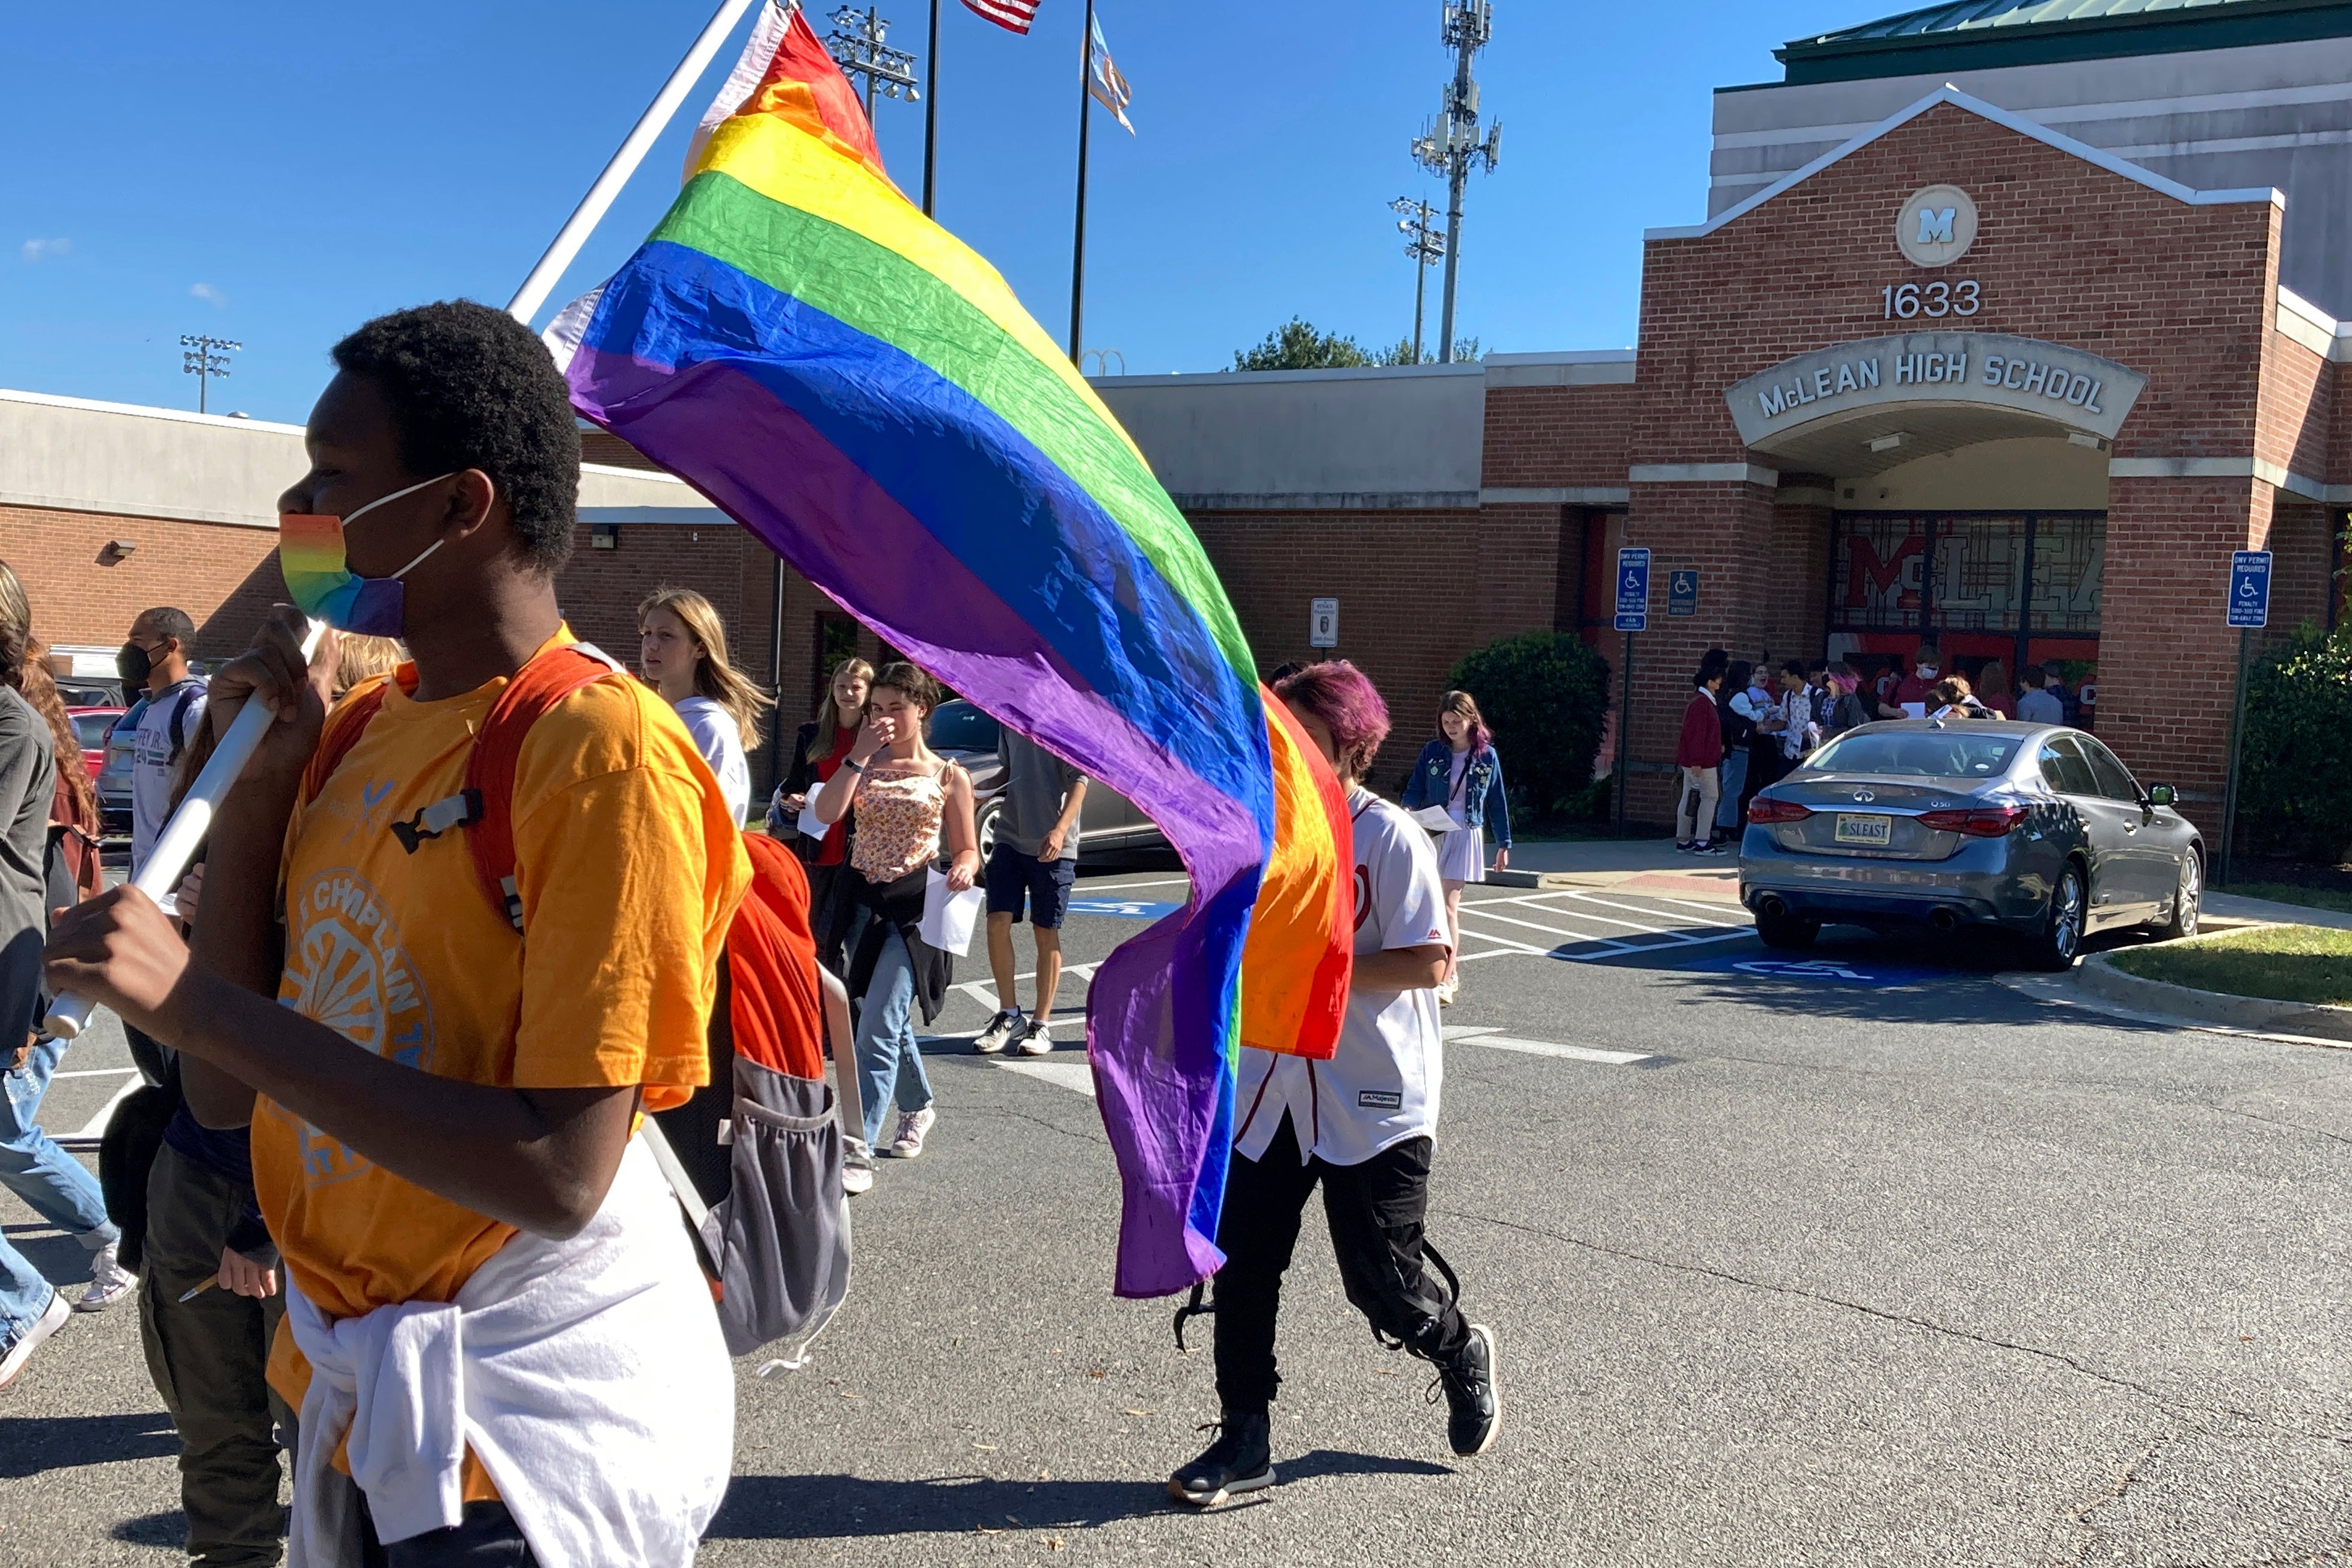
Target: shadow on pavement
61,1259
809,1507
153,1530
36,1444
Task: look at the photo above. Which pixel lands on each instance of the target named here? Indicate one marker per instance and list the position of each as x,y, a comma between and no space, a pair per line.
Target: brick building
2002,330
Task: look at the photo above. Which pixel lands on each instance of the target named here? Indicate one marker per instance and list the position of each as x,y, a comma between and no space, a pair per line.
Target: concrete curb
2098,975
1533,878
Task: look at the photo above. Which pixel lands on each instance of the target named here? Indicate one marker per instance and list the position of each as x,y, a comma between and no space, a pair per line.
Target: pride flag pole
176,845
639,141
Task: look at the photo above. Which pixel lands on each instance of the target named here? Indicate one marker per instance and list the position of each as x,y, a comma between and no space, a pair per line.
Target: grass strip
2283,963
2291,893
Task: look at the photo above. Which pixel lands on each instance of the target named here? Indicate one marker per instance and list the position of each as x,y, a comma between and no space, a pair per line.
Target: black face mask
133,665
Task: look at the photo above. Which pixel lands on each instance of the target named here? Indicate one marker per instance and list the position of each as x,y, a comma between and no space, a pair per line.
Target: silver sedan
2033,828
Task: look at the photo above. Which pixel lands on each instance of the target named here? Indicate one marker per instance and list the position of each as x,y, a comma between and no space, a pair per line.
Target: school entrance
2018,586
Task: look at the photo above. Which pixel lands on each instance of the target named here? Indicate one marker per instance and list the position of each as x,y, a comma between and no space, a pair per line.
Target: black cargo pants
1375,1212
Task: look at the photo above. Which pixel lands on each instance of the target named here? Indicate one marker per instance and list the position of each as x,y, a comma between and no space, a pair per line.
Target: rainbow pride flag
864,393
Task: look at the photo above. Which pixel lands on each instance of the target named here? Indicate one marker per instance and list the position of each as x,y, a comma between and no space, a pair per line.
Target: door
2067,770
2149,863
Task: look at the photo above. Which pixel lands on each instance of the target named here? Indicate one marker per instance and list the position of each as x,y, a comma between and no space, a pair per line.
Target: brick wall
224,576
1544,435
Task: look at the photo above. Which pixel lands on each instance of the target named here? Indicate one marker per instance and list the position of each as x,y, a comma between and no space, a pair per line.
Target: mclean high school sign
1990,370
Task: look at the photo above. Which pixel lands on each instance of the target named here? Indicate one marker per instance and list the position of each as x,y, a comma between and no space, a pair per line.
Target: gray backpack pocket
781,1237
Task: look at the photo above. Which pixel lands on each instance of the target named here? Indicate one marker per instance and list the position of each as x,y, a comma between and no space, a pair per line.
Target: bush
1544,695
2295,779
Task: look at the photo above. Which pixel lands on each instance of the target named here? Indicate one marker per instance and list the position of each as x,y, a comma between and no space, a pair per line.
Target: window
2063,769
92,728
1917,754
2114,779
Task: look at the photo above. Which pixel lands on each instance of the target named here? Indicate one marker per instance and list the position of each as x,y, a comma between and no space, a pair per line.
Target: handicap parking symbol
1121,909
1826,971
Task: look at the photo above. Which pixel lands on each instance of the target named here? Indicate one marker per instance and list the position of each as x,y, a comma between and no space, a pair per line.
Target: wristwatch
855,767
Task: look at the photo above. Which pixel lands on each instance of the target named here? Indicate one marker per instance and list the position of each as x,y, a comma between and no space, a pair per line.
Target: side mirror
2160,795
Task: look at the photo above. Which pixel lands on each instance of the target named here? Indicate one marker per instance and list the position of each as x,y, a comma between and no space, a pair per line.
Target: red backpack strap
345,723
488,805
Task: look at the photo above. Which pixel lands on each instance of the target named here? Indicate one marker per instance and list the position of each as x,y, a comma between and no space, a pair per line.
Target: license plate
1873,832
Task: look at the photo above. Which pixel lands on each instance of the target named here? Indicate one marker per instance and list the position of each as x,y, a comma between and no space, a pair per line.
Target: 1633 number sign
1903,302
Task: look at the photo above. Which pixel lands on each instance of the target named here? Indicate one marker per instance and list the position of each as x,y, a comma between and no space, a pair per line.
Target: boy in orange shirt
498,1335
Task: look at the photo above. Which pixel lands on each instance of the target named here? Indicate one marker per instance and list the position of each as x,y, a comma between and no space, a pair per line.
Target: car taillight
1768,811
1976,822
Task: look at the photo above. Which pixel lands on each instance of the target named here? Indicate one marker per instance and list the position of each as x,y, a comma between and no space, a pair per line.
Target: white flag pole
176,845
601,196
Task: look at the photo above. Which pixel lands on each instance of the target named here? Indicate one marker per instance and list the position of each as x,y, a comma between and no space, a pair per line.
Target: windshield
959,726
1919,753
92,728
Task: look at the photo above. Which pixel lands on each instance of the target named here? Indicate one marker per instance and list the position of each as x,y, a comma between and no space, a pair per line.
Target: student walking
1034,861
1848,708
908,799
57,1186
1698,752
154,660
682,654
819,748
451,1144
1361,1126
2040,702
1460,770
1737,711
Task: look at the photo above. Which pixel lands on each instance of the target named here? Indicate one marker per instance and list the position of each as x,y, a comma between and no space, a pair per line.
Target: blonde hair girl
682,654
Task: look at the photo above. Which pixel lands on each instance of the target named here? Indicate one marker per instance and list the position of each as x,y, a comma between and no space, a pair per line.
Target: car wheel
2061,926
1784,931
2188,899
985,827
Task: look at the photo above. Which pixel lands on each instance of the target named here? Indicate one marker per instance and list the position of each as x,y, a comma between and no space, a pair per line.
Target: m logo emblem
1935,227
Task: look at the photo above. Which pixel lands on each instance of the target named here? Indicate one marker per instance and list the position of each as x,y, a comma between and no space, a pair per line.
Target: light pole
855,44
1424,244
205,358
1450,145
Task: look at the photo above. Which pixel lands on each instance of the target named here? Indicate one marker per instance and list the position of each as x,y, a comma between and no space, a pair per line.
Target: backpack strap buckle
460,810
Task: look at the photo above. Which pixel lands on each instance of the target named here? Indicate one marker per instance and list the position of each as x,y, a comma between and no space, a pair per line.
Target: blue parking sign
2250,588
1634,589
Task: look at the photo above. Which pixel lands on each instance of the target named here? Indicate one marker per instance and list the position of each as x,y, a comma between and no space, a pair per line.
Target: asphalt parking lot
1859,1255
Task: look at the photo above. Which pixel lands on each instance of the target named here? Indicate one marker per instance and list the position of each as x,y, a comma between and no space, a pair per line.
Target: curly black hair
471,387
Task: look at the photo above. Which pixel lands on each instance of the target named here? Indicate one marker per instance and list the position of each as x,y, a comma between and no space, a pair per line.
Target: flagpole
599,200
931,116
1078,239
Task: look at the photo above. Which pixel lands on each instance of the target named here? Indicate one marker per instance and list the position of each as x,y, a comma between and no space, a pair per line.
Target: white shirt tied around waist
1381,1086
588,1376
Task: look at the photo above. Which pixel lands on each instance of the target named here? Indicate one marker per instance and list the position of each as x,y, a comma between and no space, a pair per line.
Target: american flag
1012,15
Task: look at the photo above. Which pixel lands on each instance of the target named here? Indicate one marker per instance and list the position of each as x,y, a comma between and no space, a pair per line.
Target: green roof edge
1834,58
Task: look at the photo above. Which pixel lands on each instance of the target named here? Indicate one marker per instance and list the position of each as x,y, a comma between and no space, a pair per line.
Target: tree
1296,346
1543,694
1465,350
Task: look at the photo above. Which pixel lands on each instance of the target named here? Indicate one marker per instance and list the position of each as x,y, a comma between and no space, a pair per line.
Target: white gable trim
1947,93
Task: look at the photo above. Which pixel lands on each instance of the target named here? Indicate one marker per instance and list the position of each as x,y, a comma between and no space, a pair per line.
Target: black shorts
1046,884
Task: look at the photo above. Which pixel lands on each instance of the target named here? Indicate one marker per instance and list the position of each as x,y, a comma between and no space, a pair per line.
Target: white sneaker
999,1033
912,1126
856,1167
1036,1038
1448,990
108,1282
25,1344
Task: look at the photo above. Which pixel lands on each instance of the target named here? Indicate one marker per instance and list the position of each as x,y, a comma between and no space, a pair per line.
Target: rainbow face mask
310,554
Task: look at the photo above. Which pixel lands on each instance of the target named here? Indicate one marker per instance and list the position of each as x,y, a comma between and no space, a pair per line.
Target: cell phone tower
1451,144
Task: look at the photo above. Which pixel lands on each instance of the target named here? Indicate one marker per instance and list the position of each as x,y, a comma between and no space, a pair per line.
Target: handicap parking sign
1122,909
2250,588
1681,593
1634,589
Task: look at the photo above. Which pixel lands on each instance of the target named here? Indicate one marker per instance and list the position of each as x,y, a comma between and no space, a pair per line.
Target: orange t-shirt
629,866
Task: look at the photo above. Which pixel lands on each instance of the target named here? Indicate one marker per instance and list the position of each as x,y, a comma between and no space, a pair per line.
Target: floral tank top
898,819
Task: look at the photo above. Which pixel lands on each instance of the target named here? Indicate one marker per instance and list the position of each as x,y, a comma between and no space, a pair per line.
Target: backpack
775,1243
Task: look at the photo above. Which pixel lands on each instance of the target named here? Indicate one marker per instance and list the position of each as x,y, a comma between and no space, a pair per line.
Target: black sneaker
1240,1460
1000,1032
1474,1403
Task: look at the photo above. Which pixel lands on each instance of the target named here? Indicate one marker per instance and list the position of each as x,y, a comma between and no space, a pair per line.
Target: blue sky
277,173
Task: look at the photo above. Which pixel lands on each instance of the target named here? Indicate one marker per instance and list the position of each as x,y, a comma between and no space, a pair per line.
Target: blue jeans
59,1187
1734,779
887,1057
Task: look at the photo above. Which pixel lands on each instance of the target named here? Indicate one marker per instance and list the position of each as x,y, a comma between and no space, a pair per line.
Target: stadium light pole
1424,244
1450,145
931,118
206,357
856,47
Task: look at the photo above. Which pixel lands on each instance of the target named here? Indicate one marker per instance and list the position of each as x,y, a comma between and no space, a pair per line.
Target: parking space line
92,1072
1546,1048
1076,1077
1534,925
95,1128
1690,904
1638,910
1083,889
1610,919
1679,943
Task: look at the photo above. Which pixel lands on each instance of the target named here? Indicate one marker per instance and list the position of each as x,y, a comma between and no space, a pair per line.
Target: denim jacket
1482,787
